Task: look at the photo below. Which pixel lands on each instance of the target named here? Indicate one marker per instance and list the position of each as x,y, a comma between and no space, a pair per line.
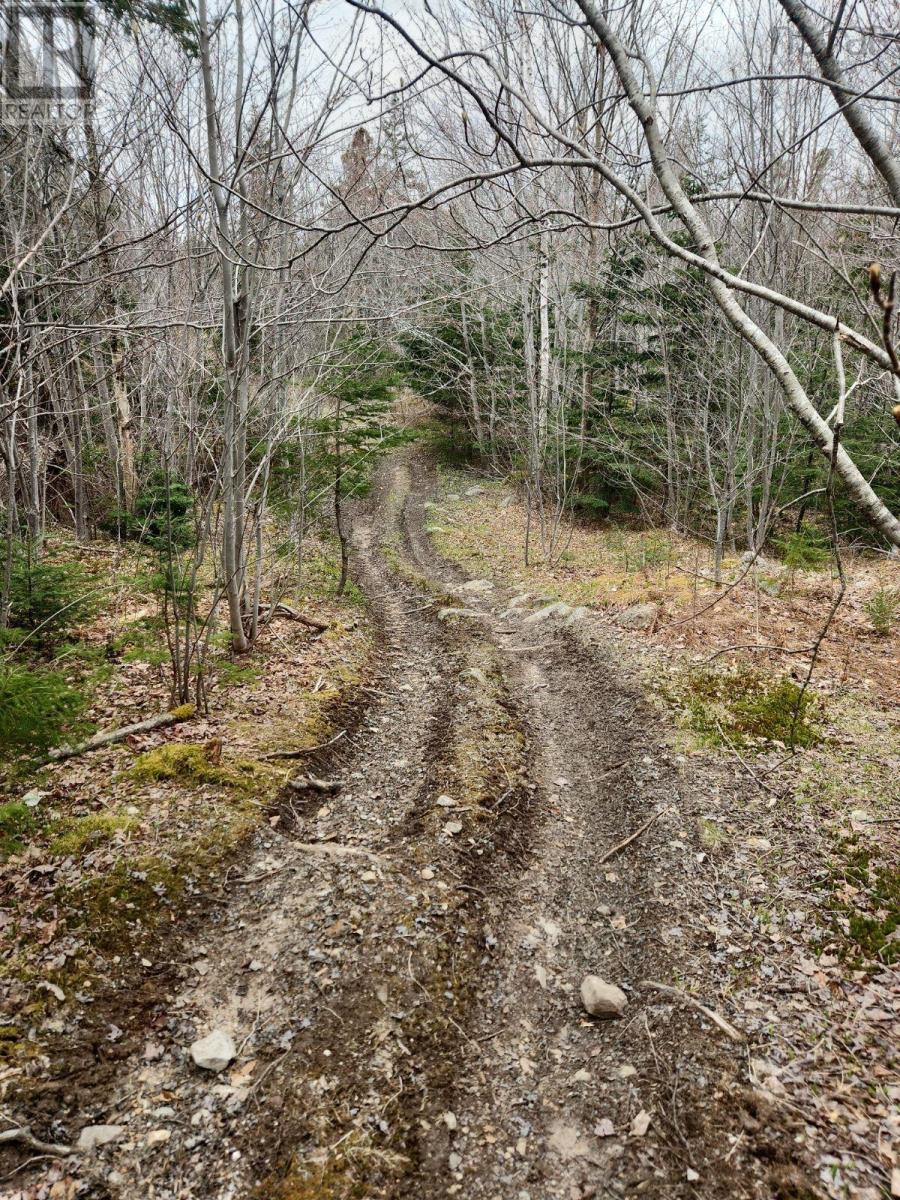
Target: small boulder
556,609
93,1136
477,585
577,614
638,616
602,999
214,1052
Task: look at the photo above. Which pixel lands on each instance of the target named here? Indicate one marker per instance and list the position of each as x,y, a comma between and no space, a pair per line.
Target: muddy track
401,970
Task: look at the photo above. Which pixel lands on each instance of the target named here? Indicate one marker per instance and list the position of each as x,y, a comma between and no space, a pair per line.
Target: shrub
161,517
47,597
805,550
36,708
883,608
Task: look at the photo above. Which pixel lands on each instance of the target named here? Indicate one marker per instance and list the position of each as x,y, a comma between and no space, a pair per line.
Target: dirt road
399,962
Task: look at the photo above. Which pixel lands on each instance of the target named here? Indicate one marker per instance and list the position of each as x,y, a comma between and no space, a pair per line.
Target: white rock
93,1136
214,1052
477,585
157,1137
427,873
453,827
602,999
446,802
449,1119
549,610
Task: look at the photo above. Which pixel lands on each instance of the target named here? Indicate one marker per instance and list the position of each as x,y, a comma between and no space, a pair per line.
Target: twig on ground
23,1134
633,837
727,1028
285,610
310,782
753,775
306,749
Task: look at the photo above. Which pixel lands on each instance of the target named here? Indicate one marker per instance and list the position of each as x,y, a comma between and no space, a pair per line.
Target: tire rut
402,970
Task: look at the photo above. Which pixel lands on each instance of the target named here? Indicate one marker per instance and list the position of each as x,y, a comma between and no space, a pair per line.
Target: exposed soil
399,963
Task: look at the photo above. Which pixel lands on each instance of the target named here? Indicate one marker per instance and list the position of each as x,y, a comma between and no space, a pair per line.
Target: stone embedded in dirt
477,490
477,674
449,1119
568,1142
638,616
758,843
446,802
605,1128
214,1052
577,614
444,614
369,876
556,609
477,585
427,873
602,999
157,1137
93,1136
453,827
640,1124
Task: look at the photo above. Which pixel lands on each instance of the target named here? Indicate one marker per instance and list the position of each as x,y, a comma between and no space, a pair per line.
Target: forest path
400,970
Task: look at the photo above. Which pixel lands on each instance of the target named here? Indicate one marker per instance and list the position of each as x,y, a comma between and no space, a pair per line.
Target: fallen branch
310,782
285,610
23,1134
184,713
637,833
727,1028
307,749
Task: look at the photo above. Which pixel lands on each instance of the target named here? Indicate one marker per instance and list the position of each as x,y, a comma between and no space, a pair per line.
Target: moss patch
115,911
188,762
17,820
865,904
73,835
745,708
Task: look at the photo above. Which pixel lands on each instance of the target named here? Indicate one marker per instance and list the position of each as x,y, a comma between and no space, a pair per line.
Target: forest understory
519,791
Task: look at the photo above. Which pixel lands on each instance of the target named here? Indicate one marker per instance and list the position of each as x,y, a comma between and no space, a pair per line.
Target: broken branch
24,1135
634,836
184,713
727,1028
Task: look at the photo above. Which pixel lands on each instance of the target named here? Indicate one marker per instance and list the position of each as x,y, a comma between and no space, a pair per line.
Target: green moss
867,913
114,911
188,763
230,674
745,707
75,834
143,641
17,820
